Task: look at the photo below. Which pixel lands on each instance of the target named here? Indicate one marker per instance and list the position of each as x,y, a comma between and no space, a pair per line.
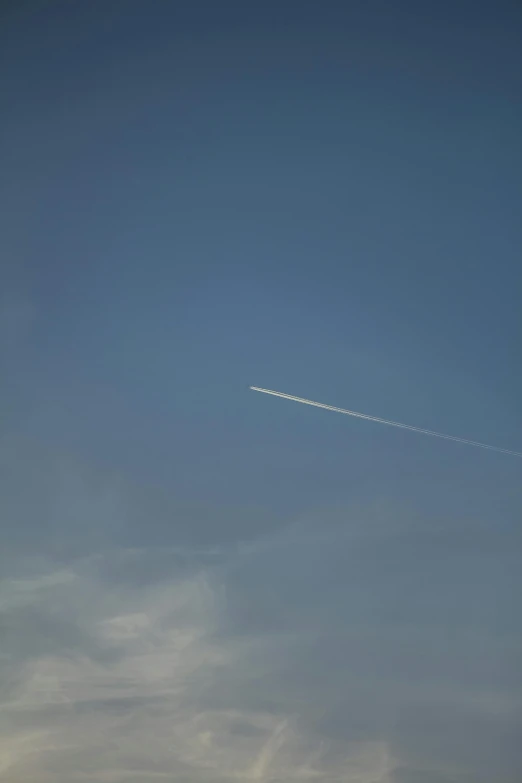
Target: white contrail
384,421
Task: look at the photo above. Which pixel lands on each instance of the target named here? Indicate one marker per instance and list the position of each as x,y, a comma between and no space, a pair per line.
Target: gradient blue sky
199,583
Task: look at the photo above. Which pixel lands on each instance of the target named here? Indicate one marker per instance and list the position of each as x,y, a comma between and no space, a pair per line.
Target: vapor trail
384,421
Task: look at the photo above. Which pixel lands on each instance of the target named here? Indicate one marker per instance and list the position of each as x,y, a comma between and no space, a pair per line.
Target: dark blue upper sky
318,198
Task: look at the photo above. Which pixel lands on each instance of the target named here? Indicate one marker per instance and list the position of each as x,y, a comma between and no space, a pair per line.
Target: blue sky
199,583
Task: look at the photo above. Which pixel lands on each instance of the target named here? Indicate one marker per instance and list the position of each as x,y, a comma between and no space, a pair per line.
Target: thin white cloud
330,651
136,702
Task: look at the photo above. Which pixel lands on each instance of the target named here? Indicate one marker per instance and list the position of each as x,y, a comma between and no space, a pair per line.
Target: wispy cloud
136,700
350,648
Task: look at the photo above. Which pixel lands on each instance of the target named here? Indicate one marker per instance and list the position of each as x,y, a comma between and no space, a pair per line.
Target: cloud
397,636
126,689
357,645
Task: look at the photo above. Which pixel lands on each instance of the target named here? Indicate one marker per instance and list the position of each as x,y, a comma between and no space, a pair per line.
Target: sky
203,584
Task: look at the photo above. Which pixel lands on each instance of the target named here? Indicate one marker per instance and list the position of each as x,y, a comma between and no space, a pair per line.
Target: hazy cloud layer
333,650
111,683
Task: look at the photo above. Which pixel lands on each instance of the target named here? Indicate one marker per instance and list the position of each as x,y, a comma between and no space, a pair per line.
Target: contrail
384,421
